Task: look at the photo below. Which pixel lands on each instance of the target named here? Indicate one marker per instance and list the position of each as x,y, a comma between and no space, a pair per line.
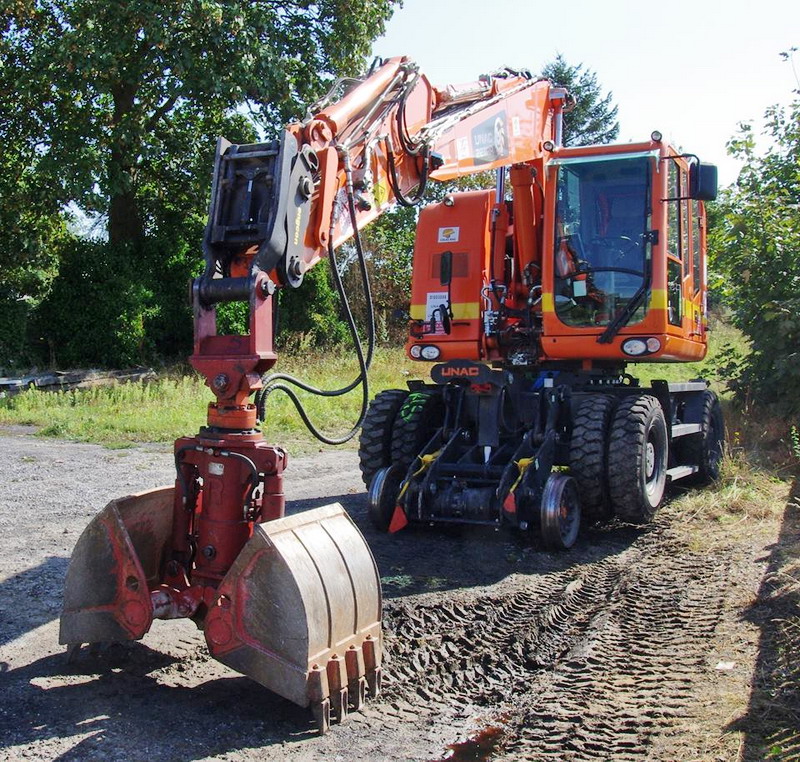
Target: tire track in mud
587,663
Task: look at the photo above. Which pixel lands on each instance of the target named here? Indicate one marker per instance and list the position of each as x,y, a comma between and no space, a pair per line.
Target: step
681,472
682,429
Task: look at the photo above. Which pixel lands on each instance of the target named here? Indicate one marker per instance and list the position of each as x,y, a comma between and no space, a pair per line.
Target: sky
692,70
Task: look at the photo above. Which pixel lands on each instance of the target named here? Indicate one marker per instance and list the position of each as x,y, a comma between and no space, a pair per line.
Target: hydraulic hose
273,381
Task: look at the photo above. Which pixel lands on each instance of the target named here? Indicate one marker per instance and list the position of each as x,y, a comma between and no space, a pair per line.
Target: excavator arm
293,602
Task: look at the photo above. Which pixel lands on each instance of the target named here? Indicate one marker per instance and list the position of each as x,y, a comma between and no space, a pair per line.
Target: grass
175,404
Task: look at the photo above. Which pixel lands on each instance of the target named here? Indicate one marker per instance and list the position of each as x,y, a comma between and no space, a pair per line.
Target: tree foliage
594,117
115,107
117,90
755,248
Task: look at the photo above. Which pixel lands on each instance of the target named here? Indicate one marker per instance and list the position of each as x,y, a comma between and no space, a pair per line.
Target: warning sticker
448,235
435,307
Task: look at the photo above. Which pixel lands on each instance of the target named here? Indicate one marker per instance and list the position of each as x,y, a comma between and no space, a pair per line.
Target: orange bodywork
530,256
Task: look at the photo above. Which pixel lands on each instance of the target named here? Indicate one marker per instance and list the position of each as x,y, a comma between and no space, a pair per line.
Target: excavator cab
631,218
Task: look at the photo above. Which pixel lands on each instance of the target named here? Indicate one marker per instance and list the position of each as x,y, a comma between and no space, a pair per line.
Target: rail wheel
417,420
706,448
637,458
382,496
375,442
588,454
560,512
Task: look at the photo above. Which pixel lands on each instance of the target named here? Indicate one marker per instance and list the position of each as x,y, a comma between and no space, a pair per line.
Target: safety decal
448,234
435,309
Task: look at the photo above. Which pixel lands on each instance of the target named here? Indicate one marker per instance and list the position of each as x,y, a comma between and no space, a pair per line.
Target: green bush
115,306
14,314
755,247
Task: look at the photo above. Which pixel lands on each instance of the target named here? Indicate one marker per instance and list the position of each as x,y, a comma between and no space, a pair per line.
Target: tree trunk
124,220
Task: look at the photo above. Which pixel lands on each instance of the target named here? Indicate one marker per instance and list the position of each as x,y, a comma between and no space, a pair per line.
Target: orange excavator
533,297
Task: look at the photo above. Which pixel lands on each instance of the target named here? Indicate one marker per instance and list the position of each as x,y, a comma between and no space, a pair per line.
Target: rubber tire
706,448
637,422
560,491
382,496
588,454
375,440
417,421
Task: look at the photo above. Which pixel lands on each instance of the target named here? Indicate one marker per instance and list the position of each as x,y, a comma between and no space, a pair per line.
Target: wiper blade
622,319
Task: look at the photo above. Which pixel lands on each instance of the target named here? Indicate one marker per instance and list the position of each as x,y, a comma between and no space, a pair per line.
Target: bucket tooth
321,710
117,558
356,680
337,684
303,591
372,663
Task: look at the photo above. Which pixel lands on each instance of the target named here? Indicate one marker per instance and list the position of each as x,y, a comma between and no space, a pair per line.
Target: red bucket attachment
116,562
300,610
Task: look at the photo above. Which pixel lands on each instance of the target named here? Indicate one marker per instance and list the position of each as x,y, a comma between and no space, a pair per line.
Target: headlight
634,347
644,346
429,352
653,344
415,351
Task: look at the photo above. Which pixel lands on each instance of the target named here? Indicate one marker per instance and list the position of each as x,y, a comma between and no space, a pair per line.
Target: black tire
382,496
638,452
375,441
417,421
588,454
560,512
706,448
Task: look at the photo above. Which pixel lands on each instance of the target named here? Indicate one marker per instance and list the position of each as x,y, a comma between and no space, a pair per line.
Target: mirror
446,268
703,181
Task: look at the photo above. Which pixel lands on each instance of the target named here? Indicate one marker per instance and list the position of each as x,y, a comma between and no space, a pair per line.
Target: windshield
602,250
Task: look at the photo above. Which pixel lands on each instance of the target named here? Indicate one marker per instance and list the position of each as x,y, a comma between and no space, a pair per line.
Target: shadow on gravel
432,559
117,705
772,724
31,598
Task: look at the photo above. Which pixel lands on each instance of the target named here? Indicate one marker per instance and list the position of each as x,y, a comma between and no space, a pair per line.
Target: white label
216,469
448,235
435,305
579,288
462,148
515,128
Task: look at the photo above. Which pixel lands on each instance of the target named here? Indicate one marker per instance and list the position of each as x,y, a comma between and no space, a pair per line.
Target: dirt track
620,649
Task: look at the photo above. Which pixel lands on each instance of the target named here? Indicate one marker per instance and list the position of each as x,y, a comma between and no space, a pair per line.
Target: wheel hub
649,460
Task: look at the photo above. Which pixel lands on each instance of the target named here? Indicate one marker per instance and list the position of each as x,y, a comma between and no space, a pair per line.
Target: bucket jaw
116,562
299,610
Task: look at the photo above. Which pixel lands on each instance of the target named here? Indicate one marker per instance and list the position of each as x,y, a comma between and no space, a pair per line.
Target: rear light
415,351
430,352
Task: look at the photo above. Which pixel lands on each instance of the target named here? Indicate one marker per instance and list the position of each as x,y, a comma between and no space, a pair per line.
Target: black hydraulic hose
271,382
361,379
268,380
416,199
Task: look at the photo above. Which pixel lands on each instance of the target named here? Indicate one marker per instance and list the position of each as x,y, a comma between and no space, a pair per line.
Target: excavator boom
294,602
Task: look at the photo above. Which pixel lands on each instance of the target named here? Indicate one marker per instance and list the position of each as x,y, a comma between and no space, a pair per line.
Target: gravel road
495,649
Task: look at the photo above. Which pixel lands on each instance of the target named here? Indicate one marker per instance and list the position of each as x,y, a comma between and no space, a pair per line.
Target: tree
754,250
114,88
115,107
594,117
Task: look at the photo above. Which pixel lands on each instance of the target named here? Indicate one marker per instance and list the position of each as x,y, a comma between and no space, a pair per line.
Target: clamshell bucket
116,562
299,611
